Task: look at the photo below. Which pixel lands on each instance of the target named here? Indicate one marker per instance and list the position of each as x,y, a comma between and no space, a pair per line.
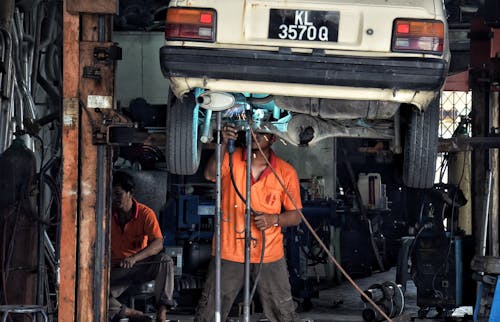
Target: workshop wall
317,160
138,74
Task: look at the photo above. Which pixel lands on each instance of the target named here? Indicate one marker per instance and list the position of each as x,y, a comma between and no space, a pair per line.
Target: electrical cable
311,229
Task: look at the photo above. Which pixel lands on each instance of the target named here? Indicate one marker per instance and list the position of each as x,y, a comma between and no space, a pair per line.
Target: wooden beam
94,6
70,165
457,82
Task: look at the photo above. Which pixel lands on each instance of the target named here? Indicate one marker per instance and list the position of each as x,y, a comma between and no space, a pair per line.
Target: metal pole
486,212
495,170
218,188
100,207
41,269
248,233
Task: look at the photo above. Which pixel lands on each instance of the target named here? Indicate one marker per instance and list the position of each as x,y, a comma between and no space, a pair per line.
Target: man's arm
289,218
153,248
228,133
285,219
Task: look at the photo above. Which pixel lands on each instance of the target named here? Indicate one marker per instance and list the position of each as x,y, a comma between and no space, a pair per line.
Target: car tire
420,153
183,150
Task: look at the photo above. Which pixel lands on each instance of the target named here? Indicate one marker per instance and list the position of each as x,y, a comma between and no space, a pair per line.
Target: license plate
304,25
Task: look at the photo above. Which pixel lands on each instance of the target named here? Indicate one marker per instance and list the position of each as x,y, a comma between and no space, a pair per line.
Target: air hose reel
388,296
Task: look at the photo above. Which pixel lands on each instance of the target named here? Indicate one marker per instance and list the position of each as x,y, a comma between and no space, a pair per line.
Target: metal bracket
457,144
107,55
92,72
486,264
119,134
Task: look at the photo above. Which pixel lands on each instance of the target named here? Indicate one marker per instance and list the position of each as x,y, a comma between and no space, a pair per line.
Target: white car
309,70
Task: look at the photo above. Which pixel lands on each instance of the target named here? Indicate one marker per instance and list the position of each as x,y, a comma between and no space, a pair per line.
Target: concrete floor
343,304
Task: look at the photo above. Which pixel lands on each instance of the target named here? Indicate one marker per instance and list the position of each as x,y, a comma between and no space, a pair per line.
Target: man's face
122,200
264,140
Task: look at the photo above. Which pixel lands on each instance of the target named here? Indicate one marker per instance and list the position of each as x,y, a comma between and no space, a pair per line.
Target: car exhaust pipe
216,101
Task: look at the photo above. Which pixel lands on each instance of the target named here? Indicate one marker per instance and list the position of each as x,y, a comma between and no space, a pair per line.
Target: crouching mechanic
136,252
272,209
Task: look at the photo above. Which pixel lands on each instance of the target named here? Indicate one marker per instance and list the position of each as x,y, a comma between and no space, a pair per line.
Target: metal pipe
17,31
6,82
21,74
5,88
218,188
248,232
100,208
206,127
19,103
41,269
11,126
495,170
102,29
484,228
39,15
3,110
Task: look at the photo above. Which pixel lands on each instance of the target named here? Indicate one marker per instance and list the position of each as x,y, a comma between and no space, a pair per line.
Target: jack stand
248,232
217,313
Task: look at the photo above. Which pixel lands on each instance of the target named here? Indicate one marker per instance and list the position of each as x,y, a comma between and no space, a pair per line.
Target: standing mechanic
136,252
272,209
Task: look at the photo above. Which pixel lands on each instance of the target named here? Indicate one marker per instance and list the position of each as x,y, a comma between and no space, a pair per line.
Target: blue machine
188,217
487,270
302,250
488,295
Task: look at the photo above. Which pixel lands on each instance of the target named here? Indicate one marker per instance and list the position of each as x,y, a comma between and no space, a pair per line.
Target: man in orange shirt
272,209
136,252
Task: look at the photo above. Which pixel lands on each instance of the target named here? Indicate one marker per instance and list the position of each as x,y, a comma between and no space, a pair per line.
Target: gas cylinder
18,225
17,165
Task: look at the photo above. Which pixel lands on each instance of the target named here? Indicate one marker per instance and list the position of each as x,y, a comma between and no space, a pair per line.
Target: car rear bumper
426,74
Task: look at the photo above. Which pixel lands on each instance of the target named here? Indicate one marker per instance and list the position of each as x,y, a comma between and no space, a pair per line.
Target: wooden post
85,238
70,165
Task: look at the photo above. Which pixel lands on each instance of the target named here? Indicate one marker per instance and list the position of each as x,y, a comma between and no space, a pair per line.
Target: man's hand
264,221
229,132
128,262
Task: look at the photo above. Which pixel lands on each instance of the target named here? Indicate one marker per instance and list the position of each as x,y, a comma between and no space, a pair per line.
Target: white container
370,188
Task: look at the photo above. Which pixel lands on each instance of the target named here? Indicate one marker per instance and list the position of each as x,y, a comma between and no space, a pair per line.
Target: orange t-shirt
267,196
136,234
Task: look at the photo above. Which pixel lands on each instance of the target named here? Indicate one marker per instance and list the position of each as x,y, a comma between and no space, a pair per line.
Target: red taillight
419,36
403,28
206,18
190,24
